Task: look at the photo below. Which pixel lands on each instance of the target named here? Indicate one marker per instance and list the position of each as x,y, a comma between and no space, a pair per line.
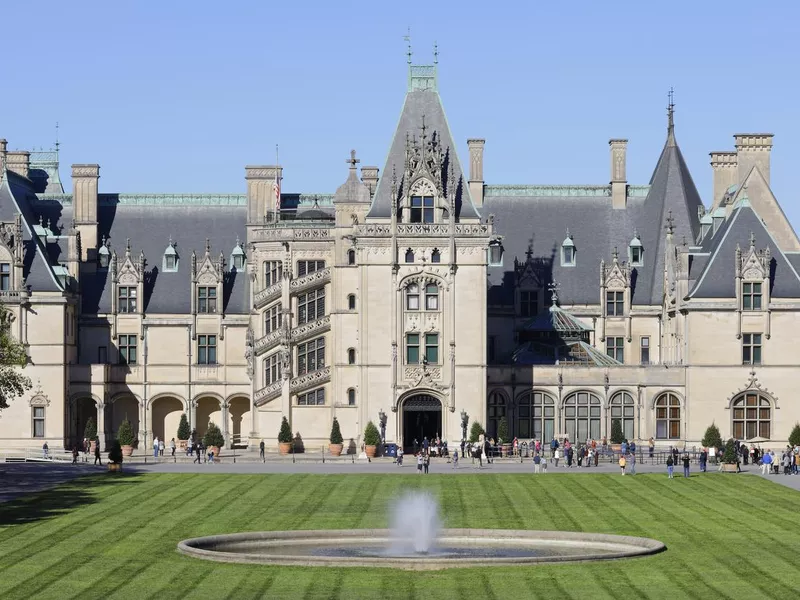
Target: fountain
415,541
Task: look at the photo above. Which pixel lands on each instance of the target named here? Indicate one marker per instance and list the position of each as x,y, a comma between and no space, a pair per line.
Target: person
426,463
766,463
544,465
86,448
477,452
632,462
155,448
703,459
74,455
590,457
556,456
96,453
45,451
463,444
685,465
596,457
632,447
172,446
197,451
400,457
161,447
455,460
670,465
537,463
425,445
261,452
419,463
553,448
651,446
622,463
580,456
211,457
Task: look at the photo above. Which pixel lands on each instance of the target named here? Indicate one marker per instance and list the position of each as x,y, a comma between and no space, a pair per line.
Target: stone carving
267,342
313,328
417,374
128,278
354,218
248,352
268,393
753,385
373,229
311,379
207,278
310,280
286,367
93,171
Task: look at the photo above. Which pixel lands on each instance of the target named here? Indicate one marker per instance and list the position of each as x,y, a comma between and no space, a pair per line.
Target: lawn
114,537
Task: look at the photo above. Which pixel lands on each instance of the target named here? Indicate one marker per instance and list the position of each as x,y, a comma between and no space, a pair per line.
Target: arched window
536,416
582,416
668,417
412,297
752,416
436,256
351,356
431,297
623,410
409,256
495,410
351,397
351,302
351,257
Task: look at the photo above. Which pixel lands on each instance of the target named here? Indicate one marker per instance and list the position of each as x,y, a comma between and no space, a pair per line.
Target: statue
464,423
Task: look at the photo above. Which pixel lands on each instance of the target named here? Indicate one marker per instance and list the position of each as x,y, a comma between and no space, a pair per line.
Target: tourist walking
400,457
96,453
155,448
537,464
670,465
197,451
703,460
419,463
556,456
261,452
74,455
685,465
651,446
632,462
172,446
426,461
622,463
766,463
161,447
45,451
455,459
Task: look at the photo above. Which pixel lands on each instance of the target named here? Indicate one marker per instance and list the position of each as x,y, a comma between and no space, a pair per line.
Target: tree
475,432
183,428
12,358
336,432
794,437
502,431
90,431
213,436
371,435
729,456
125,433
712,438
285,434
617,436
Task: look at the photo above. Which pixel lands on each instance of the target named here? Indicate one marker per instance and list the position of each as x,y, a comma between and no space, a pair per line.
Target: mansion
559,308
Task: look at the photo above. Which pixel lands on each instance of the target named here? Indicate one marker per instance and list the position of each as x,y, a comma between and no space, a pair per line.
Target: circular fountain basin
453,548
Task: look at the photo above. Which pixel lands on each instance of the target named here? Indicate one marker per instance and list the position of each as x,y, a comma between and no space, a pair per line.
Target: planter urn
370,450
285,447
127,450
335,449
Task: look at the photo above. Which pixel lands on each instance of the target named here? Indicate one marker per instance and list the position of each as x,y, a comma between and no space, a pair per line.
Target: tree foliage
729,455
115,454
372,436
183,428
712,438
90,431
617,436
13,359
125,433
794,437
336,432
502,431
213,436
475,432
285,434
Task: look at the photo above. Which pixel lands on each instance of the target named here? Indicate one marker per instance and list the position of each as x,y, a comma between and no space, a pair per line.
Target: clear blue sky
179,96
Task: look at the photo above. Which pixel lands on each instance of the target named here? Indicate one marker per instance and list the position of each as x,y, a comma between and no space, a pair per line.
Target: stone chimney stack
19,161
724,165
754,151
84,206
619,178
261,201
369,177
476,170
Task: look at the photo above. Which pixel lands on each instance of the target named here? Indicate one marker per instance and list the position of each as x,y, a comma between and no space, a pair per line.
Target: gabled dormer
615,293
170,260
207,280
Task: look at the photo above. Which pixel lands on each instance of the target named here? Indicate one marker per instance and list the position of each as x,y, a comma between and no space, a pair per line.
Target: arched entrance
166,412
238,408
208,410
123,407
82,410
422,418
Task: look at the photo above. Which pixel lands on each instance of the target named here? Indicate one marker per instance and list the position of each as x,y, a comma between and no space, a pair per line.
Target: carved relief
128,278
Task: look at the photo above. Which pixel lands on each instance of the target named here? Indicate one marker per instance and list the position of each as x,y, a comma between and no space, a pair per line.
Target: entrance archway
82,410
238,408
422,418
167,413
123,407
208,409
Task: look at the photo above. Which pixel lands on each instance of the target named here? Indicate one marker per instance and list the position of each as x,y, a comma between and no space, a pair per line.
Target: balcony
268,342
312,280
310,380
309,330
268,393
268,294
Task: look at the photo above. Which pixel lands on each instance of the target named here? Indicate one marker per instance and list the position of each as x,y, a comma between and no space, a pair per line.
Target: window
103,256
170,262
304,267
207,299
351,257
312,398
623,410
529,303
272,272
351,302
644,350
272,319
422,209
311,306
436,256
272,369
412,348
668,417
495,411
637,256
536,416
431,297
238,259
206,349
751,417
127,349
126,297
102,355
310,356
751,349
409,256
615,304
38,421
751,296
582,417
5,277
432,348
615,348
351,397
351,356
568,251
412,297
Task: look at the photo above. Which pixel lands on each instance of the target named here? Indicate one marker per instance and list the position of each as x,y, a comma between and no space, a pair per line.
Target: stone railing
421,229
295,230
309,380
547,191
311,280
472,229
307,330
10,295
267,393
267,342
268,294
373,230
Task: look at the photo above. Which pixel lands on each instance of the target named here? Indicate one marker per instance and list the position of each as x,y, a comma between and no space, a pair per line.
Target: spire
671,118
407,39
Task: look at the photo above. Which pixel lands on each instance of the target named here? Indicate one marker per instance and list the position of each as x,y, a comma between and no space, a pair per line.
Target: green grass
115,537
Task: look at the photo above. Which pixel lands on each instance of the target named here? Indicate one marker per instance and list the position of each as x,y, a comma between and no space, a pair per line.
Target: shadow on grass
29,503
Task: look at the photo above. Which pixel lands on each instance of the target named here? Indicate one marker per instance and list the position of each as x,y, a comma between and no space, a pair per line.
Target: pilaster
101,423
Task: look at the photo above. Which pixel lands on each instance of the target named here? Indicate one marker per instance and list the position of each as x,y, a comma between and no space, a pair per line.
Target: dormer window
568,252
422,209
495,254
103,255
636,251
751,296
237,257
170,262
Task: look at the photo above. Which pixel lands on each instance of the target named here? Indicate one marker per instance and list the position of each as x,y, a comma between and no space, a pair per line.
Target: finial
171,243
569,236
353,161
670,223
636,234
394,176
553,287
127,246
752,240
238,241
103,240
208,246
529,251
57,143
407,38
40,221
670,118
435,53
424,129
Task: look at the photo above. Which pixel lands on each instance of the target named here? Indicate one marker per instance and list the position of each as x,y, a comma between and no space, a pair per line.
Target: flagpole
277,186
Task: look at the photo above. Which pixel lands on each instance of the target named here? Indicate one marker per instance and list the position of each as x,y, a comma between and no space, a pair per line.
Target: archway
422,418
208,409
166,413
123,407
83,409
237,427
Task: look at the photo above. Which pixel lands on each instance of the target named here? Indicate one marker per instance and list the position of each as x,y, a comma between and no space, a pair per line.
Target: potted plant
126,437
617,436
712,439
371,439
336,441
285,437
213,439
730,462
475,432
90,433
502,437
184,432
115,456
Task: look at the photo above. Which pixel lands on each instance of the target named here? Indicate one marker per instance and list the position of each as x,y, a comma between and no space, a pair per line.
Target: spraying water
415,523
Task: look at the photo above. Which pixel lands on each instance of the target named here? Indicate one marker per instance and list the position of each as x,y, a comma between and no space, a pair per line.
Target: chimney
261,201
753,150
476,170
369,177
619,178
3,152
724,164
84,206
19,161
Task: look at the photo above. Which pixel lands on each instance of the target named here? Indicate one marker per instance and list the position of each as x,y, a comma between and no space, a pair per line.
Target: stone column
101,424
192,414
143,425
225,418
476,170
619,179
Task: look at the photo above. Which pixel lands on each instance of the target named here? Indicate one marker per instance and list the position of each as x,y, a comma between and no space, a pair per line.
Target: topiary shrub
285,434
712,438
372,436
213,436
90,431
125,433
502,431
794,437
475,432
183,428
729,456
336,433
617,437
115,454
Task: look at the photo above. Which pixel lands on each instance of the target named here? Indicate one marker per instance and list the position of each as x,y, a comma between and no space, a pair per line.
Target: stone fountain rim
629,547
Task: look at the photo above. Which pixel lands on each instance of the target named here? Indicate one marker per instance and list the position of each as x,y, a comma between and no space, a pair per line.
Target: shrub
90,431
617,437
371,435
502,431
712,438
125,433
794,437
183,428
475,432
285,434
729,456
213,436
115,454
336,433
